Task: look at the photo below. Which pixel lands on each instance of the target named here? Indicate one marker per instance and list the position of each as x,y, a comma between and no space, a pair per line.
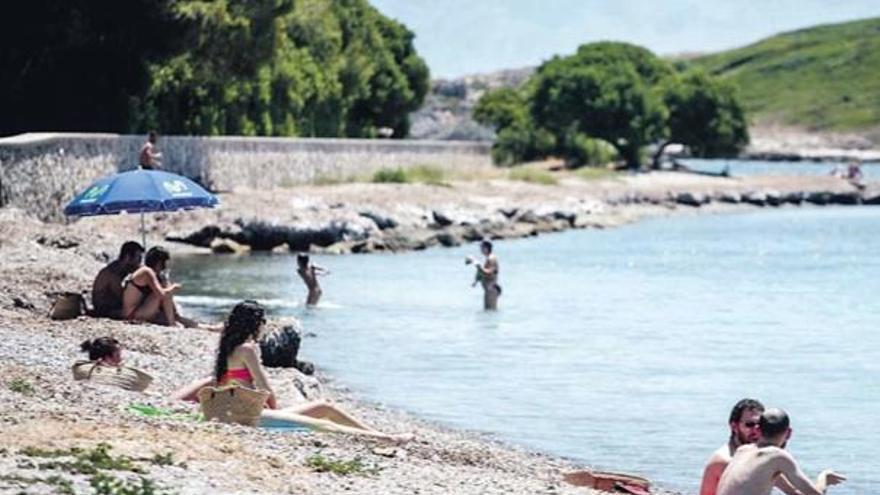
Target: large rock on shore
381,221
692,198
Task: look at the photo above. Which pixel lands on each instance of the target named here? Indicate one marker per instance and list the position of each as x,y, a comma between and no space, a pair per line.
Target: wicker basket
232,404
116,376
609,482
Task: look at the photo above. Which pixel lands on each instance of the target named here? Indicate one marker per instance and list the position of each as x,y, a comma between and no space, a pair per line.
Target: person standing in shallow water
309,272
487,275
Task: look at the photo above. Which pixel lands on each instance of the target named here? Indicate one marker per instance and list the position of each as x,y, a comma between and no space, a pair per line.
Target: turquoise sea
622,348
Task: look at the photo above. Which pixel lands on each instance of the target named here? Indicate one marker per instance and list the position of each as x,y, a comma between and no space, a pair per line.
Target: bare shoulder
776,454
248,348
720,456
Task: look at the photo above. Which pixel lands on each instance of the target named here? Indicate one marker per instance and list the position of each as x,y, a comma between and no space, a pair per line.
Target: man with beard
107,288
756,469
744,429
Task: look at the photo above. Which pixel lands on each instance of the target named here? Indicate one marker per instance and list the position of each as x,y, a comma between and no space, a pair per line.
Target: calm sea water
870,171
623,348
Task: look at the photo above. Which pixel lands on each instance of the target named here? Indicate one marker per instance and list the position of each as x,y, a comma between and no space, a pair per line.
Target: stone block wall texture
41,172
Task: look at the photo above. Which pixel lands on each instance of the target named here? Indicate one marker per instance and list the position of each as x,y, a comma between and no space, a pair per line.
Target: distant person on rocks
145,297
755,469
107,288
309,273
854,173
149,158
487,275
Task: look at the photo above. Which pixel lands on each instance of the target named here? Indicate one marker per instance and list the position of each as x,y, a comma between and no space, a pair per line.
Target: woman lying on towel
238,363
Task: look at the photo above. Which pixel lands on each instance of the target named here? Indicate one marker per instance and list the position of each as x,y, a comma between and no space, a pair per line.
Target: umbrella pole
143,232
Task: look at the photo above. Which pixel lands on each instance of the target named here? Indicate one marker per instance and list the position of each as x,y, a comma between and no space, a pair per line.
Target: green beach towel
158,412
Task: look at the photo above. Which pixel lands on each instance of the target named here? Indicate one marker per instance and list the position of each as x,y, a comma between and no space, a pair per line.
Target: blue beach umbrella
140,191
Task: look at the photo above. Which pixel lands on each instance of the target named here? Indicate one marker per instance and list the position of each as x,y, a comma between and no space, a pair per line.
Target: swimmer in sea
487,275
309,273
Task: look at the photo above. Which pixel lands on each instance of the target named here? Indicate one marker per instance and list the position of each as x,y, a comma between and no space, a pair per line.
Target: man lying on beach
107,287
754,469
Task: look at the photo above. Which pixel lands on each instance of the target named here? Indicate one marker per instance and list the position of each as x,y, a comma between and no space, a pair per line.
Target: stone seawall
41,172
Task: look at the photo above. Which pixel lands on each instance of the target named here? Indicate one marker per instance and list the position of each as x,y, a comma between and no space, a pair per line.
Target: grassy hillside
822,78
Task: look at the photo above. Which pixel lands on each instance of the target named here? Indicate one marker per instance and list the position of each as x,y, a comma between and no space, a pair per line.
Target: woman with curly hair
238,364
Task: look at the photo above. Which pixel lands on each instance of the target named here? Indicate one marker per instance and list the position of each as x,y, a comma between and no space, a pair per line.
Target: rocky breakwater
354,230
363,218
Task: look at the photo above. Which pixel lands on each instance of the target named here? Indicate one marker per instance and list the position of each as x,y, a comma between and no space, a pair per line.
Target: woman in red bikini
238,363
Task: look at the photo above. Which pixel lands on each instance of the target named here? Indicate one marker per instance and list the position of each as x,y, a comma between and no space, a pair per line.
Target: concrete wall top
325,144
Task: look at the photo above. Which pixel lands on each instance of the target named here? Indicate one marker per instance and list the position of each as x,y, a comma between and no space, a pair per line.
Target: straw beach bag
67,306
232,404
117,376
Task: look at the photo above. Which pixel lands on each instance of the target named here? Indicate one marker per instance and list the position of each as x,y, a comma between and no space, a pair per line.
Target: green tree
501,108
704,115
251,67
72,65
606,91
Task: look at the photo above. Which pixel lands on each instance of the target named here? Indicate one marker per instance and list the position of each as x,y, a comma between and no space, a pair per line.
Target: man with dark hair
107,288
487,275
756,469
743,422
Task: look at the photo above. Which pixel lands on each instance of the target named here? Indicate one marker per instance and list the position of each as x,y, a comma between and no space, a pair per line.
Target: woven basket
232,404
609,482
67,306
117,376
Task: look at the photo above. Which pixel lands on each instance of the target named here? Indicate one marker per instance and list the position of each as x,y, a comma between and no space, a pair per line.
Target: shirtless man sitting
754,469
107,288
743,422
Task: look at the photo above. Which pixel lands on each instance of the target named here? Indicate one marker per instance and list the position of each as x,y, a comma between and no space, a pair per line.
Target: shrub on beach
533,175
424,174
392,175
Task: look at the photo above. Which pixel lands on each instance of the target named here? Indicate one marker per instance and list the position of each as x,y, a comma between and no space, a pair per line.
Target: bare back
107,291
755,470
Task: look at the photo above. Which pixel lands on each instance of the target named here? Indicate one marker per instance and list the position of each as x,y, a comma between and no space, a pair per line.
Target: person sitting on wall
149,158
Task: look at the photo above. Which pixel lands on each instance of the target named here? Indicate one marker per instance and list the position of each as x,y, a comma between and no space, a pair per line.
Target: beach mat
609,482
159,412
276,420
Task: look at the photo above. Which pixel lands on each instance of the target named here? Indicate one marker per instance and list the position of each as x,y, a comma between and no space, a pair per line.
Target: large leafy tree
275,67
72,65
704,115
606,90
618,95
252,67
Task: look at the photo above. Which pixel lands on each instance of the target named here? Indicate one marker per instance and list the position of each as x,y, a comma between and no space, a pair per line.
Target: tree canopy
620,94
250,67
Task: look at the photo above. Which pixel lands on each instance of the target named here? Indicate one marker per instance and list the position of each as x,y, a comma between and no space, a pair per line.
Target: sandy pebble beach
41,406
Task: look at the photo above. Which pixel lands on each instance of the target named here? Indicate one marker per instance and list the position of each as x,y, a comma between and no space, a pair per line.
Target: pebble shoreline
42,258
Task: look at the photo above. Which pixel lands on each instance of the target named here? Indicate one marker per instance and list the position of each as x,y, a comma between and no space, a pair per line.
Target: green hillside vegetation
821,78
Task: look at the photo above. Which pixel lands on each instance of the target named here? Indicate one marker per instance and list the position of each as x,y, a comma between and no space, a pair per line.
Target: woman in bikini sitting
145,297
238,363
